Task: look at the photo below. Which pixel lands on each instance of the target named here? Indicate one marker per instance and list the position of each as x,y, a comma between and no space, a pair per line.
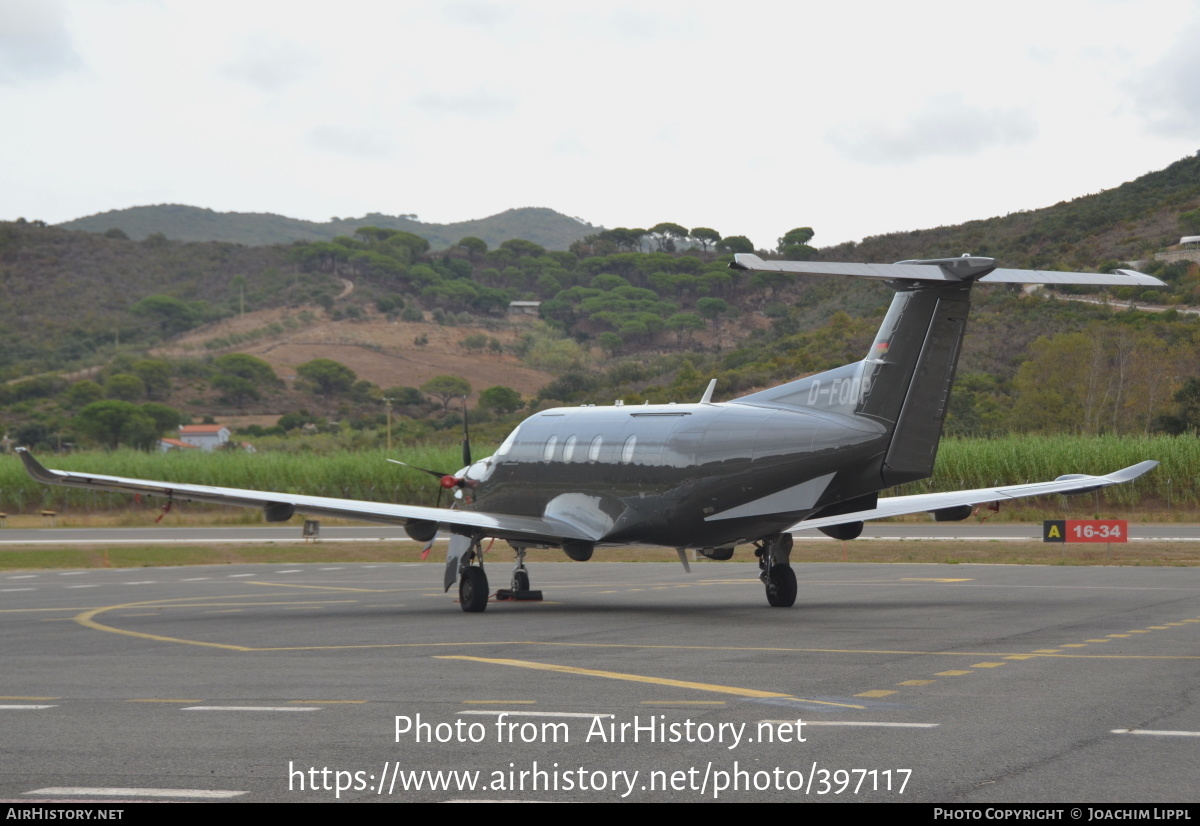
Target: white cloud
271,65
476,13
365,142
34,41
1167,94
640,23
946,126
474,104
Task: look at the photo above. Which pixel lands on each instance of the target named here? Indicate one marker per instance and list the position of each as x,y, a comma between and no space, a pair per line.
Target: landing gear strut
472,582
519,583
774,562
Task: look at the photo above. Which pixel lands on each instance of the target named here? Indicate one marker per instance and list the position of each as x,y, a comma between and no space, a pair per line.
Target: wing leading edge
922,502
281,506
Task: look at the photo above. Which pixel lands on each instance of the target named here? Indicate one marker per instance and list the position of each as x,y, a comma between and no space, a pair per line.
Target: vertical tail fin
905,380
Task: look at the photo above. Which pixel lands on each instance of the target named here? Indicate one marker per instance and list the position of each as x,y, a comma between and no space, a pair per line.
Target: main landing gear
464,564
518,589
473,589
774,561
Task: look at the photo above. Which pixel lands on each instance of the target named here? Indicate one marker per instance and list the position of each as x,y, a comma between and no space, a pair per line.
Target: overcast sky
747,117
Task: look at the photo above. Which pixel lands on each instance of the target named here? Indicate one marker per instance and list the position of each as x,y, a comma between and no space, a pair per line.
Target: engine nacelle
848,530
421,530
955,514
579,550
279,511
719,554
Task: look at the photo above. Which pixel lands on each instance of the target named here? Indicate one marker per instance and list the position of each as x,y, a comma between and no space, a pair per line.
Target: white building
205,436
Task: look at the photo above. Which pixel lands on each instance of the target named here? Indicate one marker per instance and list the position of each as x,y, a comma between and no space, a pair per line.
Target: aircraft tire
520,581
473,590
781,586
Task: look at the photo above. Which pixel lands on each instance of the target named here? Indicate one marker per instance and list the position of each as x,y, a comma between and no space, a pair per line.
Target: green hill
550,229
638,325
1129,222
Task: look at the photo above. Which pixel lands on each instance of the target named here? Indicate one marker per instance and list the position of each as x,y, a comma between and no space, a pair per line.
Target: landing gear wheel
520,581
781,586
473,590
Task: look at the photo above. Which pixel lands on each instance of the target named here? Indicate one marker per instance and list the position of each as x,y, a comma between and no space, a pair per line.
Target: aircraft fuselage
680,475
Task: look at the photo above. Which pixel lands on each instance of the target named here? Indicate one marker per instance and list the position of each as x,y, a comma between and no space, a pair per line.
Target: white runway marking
119,792
237,575
11,590
1156,733
71,573
15,708
496,712
252,708
864,723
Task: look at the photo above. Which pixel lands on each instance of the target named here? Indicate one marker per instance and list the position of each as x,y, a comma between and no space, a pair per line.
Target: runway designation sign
1085,530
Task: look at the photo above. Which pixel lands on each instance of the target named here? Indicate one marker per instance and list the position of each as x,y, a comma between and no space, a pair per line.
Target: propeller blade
436,473
446,481
466,445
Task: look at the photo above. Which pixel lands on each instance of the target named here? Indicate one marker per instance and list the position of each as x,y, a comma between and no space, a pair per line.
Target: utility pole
387,405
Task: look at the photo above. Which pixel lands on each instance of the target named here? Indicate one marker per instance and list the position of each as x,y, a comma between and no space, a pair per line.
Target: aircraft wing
279,507
921,502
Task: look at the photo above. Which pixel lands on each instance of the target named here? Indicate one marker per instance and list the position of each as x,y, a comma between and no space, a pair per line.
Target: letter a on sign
1054,530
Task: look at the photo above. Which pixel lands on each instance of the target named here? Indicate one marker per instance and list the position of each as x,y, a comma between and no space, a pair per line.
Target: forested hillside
109,340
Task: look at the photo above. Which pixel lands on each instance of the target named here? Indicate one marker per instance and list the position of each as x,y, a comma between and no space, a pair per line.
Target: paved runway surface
953,683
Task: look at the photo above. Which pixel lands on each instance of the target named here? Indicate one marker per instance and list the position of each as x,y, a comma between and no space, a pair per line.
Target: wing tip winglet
746,261
35,468
1133,471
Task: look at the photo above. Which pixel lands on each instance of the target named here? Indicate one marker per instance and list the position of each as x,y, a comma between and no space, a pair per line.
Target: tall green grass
962,463
978,463
349,475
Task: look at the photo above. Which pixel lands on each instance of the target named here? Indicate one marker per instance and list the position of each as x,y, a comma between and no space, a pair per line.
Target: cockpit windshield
508,443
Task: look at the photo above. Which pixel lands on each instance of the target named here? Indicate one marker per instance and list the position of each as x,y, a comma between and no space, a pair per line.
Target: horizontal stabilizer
1119,278
966,268
901,505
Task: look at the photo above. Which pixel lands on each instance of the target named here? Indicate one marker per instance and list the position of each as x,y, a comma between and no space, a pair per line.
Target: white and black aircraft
812,453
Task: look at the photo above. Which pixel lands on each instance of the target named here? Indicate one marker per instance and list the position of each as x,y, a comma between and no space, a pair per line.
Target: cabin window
569,448
594,449
548,453
508,443
627,450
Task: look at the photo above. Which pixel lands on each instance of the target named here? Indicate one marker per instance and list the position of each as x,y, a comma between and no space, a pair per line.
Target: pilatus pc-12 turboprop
812,453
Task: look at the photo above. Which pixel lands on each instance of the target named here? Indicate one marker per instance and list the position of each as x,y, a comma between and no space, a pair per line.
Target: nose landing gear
518,590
